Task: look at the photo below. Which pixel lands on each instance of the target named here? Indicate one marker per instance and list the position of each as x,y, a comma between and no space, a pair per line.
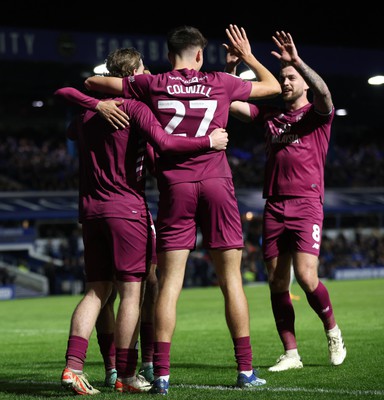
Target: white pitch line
234,388
286,389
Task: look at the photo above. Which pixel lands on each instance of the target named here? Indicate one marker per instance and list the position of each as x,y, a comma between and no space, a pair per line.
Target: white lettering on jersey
197,89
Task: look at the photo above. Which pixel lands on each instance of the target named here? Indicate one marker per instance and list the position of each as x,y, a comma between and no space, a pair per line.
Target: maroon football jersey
189,103
296,145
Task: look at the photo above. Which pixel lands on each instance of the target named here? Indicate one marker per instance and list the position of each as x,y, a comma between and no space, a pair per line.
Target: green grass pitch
34,333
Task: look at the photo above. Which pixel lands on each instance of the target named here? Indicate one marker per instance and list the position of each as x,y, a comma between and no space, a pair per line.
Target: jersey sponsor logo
316,246
281,133
195,79
285,139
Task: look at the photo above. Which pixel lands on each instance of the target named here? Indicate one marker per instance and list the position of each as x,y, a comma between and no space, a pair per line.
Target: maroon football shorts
210,204
117,246
292,225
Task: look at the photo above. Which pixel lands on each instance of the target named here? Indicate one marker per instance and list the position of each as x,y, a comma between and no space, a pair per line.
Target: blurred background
55,45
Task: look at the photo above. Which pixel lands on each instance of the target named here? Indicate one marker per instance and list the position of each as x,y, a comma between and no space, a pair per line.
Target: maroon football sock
76,352
319,300
126,362
107,349
243,353
284,318
161,358
146,341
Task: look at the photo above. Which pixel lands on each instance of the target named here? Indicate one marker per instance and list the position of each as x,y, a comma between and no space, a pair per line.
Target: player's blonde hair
123,62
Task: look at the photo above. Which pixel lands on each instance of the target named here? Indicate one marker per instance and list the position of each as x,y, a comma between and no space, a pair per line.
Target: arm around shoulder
74,96
105,84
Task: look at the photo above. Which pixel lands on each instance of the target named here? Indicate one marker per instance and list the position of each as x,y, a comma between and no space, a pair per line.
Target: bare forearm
313,79
322,97
267,85
261,72
105,84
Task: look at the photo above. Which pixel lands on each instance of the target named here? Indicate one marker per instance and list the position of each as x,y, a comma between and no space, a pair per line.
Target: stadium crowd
28,162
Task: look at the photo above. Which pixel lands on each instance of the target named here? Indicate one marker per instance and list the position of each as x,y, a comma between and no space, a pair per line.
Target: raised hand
286,46
239,44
